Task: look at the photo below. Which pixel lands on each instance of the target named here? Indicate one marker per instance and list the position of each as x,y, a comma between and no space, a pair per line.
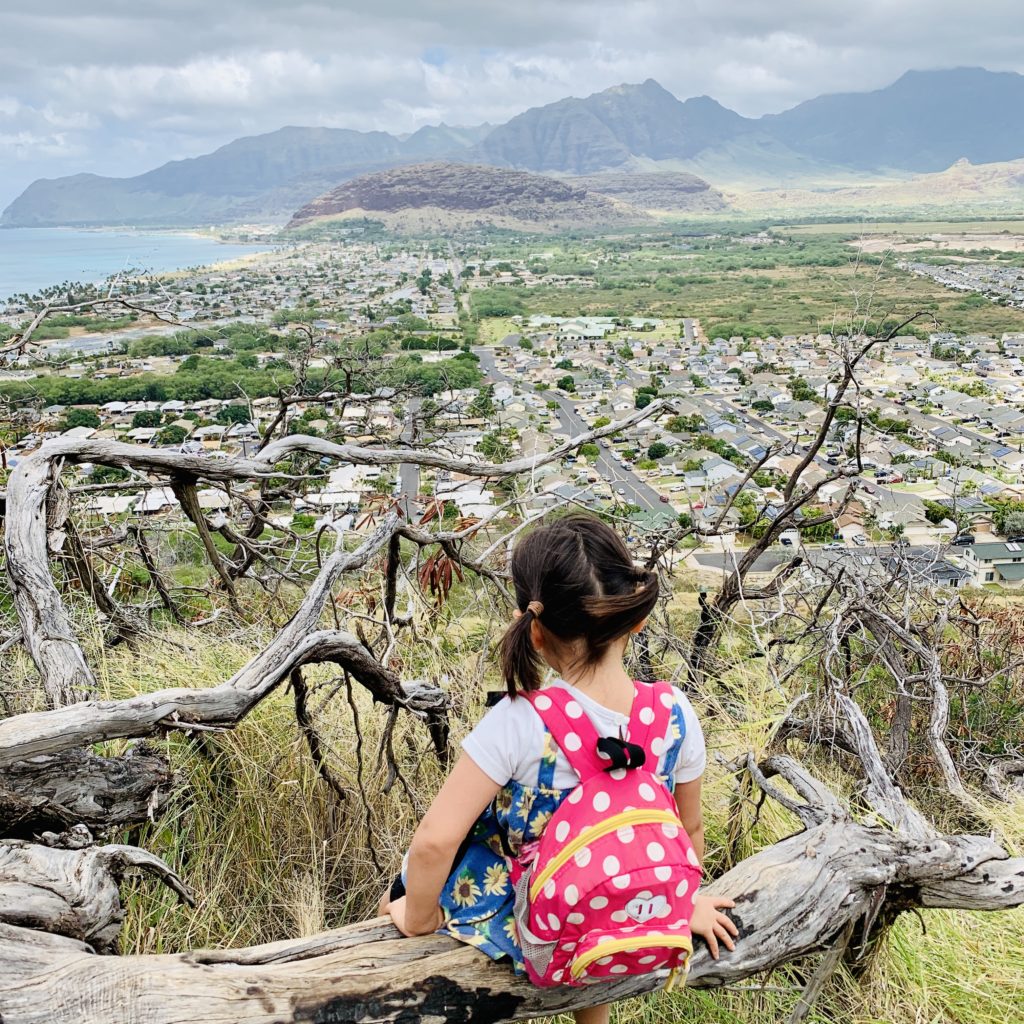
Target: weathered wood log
793,899
55,791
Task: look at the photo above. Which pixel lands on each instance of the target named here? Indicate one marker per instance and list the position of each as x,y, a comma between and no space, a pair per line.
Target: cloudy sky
119,86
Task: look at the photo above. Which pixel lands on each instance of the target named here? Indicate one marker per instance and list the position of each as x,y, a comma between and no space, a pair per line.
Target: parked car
1015,540
664,498
963,540
860,540
834,545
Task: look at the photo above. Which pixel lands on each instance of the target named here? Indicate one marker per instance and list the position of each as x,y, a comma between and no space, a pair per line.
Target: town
937,424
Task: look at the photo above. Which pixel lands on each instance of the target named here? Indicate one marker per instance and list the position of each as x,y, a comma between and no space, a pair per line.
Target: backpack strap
571,729
650,718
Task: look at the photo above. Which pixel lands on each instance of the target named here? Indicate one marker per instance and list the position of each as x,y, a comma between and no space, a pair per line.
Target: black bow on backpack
621,753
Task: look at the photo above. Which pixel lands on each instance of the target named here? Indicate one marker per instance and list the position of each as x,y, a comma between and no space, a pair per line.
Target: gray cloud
125,86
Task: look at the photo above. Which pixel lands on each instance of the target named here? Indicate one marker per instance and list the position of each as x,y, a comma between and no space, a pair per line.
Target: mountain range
924,122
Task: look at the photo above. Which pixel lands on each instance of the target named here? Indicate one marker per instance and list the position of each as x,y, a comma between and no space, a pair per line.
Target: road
926,422
627,485
408,472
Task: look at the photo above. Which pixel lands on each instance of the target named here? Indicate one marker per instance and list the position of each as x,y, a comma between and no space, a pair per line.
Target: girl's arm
687,796
708,921
455,809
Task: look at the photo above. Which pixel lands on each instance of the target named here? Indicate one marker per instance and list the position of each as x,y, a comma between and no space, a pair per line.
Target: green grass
908,227
814,282
494,328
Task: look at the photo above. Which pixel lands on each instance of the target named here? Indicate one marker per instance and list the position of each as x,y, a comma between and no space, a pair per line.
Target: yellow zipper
612,946
636,816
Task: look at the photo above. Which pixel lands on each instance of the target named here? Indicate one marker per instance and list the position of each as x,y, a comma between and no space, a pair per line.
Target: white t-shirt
508,742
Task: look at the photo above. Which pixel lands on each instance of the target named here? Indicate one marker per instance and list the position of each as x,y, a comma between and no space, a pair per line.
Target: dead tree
820,892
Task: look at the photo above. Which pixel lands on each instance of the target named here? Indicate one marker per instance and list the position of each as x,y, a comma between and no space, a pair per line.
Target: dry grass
271,853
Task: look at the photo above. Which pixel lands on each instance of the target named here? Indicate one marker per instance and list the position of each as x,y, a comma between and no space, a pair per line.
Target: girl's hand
396,908
711,924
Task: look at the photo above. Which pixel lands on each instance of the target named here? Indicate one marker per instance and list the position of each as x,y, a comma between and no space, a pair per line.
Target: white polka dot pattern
542,702
621,875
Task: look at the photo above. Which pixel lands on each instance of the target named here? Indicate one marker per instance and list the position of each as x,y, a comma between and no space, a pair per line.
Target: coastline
35,259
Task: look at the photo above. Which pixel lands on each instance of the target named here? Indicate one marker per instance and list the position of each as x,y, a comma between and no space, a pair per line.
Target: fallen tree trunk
793,900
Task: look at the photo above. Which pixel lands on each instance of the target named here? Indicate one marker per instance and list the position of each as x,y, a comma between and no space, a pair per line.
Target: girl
579,599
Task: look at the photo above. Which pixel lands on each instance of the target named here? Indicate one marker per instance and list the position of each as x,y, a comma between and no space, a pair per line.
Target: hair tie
536,607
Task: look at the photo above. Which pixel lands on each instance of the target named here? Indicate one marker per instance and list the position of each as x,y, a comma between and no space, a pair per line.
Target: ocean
33,258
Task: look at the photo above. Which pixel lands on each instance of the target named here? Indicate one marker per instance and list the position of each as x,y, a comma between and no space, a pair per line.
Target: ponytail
520,662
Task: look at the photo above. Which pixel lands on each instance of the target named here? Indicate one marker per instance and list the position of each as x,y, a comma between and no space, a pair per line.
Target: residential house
999,562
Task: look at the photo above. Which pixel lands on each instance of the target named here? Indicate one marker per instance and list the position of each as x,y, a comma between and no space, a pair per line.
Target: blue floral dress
477,899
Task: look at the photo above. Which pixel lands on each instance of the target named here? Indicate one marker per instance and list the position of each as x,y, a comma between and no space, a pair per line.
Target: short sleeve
693,756
506,736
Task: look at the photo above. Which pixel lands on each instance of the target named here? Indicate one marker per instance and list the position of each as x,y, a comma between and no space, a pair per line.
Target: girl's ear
536,635
516,614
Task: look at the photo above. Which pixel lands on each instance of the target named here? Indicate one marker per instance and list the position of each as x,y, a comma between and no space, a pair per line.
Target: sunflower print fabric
477,899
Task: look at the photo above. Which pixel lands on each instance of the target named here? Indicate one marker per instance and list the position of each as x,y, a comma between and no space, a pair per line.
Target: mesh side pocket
536,952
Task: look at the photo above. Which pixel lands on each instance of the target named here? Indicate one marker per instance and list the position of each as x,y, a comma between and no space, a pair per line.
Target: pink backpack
607,890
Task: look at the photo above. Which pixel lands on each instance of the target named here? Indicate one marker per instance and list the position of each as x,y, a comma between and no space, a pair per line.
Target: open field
784,300
915,228
493,329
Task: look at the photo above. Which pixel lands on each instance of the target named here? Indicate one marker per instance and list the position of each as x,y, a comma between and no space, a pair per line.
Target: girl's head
578,593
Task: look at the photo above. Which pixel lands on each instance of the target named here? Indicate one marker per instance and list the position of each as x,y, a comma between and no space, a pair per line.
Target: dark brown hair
580,571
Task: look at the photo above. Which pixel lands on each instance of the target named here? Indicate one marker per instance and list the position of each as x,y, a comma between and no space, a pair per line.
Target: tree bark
56,791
